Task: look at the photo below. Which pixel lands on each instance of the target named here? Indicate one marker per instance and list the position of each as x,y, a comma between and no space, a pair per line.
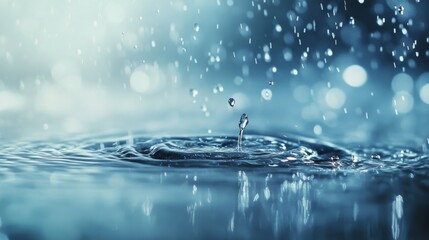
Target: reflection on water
75,190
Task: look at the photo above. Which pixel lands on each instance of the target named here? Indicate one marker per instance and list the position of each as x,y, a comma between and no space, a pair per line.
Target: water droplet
266,94
193,92
317,129
375,156
400,9
217,89
271,83
294,72
352,21
231,102
244,120
274,69
196,27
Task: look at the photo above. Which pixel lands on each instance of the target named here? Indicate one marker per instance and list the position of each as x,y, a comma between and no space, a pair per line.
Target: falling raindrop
400,9
266,94
196,27
218,88
231,102
294,72
193,92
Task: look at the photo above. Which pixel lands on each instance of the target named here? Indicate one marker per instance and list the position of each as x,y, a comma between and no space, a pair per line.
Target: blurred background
354,70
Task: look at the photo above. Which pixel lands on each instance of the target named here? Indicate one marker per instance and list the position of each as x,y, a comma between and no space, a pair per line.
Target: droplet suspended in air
400,9
266,94
271,83
274,69
196,27
231,102
294,72
217,89
193,92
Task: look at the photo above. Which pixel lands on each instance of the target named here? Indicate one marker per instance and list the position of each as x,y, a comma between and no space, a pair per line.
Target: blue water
142,187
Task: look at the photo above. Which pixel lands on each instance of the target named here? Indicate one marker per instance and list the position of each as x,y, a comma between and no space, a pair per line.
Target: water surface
204,187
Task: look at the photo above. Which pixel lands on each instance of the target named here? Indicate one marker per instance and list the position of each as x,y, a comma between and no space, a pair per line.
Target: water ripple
214,151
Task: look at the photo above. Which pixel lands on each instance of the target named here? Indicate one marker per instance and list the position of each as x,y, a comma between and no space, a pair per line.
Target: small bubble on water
193,92
231,102
217,89
375,156
196,27
266,94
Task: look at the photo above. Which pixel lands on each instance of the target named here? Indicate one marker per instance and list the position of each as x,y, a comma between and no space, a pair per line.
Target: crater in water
222,151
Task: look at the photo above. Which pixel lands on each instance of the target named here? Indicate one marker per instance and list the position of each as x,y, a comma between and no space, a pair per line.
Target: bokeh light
355,76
